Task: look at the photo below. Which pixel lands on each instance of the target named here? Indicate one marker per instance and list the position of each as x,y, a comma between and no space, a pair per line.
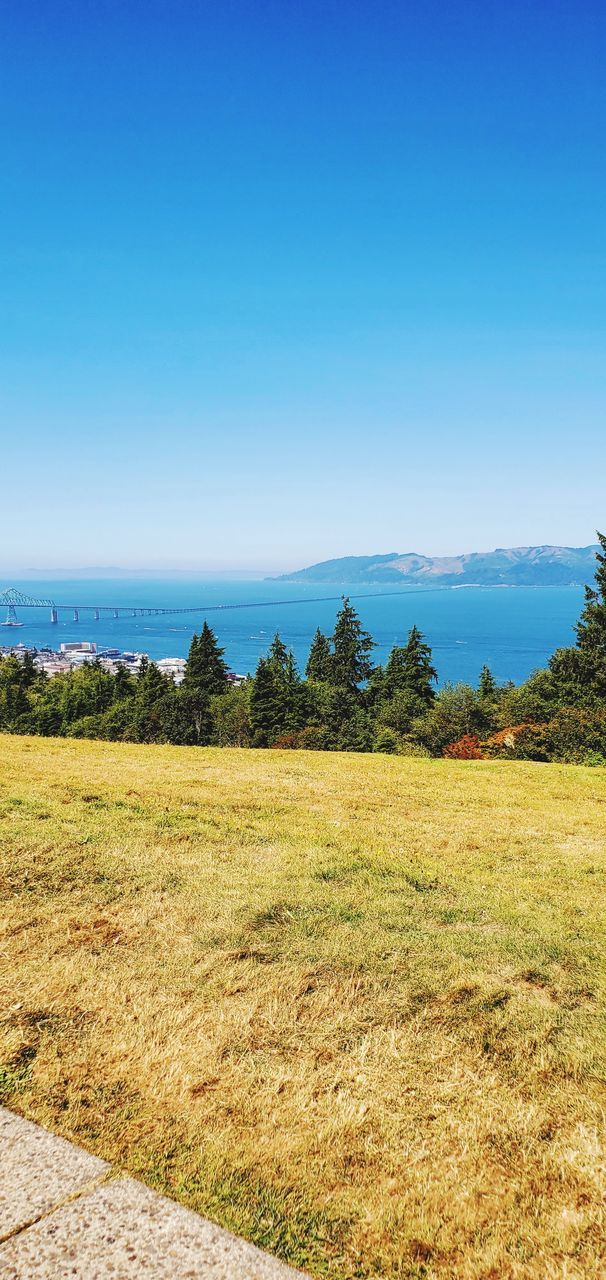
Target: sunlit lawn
351,1007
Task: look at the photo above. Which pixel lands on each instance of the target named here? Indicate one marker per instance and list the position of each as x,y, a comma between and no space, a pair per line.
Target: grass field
351,1007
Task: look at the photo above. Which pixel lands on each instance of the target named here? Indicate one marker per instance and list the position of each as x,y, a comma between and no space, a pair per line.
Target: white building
173,667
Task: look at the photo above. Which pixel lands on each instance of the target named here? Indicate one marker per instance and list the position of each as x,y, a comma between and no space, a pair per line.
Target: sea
511,629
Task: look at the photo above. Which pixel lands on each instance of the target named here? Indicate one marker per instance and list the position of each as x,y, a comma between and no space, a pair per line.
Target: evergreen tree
123,684
205,678
295,697
278,654
489,698
29,671
278,696
265,705
14,702
418,674
350,663
487,686
580,672
151,704
205,670
319,660
348,724
395,673
591,627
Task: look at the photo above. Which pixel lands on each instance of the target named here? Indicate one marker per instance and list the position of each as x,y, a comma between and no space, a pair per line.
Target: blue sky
283,281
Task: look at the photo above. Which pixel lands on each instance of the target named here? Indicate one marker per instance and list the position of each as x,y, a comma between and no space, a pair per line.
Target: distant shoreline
548,566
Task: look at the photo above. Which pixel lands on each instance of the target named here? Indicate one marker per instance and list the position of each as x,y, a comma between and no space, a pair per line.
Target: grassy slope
351,1007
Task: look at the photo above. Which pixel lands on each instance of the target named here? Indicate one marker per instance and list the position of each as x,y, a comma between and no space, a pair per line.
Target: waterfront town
70,656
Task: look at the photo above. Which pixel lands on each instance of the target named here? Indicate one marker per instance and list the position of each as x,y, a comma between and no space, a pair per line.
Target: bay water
514,630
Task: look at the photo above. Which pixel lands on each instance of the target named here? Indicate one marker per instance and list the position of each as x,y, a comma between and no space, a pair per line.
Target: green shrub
386,741
576,733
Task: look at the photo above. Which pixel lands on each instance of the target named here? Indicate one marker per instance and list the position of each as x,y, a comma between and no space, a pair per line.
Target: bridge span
12,599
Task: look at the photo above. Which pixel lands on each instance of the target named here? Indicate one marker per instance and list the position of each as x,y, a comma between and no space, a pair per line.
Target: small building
173,667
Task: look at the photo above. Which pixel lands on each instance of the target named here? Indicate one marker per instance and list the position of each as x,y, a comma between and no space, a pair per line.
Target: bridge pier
53,615
96,615
76,616
116,614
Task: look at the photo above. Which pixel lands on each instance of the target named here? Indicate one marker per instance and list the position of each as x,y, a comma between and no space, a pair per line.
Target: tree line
342,701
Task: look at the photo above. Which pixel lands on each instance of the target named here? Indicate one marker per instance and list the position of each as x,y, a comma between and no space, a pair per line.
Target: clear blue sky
282,281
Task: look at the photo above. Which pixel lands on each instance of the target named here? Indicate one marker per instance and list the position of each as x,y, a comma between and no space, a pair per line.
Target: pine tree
265,708
29,671
319,660
580,672
350,662
418,673
277,702
489,698
205,670
287,687
348,724
487,686
123,685
278,654
395,673
295,700
149,705
591,627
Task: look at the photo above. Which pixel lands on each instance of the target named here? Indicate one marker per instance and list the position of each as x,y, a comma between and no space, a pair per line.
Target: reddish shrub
313,738
466,748
519,742
286,742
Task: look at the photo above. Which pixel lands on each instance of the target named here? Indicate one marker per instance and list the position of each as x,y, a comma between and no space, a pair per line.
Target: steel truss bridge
12,599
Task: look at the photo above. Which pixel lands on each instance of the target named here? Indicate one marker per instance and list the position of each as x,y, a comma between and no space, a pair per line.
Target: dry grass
349,1006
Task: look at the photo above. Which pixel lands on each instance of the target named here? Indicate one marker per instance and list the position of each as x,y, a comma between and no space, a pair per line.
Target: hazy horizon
233,571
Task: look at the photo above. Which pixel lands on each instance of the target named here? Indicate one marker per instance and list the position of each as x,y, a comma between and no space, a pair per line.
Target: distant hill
510,567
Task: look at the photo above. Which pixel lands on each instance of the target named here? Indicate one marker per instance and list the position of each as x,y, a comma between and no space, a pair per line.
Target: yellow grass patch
351,1007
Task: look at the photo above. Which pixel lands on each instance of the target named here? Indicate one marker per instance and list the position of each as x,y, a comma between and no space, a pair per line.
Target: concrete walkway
66,1214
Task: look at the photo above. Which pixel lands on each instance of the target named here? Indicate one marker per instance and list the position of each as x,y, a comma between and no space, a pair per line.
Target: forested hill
511,567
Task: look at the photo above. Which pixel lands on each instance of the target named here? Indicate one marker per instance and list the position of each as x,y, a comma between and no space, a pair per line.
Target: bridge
12,599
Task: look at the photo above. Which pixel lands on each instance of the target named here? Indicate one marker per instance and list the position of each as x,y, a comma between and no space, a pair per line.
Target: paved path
65,1215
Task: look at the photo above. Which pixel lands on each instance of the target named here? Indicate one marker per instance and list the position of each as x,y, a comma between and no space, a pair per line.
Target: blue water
514,630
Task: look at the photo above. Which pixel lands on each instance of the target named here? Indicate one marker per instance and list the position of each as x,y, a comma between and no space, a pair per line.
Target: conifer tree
205,670
580,672
591,627
350,662
29,672
319,660
278,695
395,673
487,686
418,673
265,704
294,707
149,704
288,688
123,685
278,654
